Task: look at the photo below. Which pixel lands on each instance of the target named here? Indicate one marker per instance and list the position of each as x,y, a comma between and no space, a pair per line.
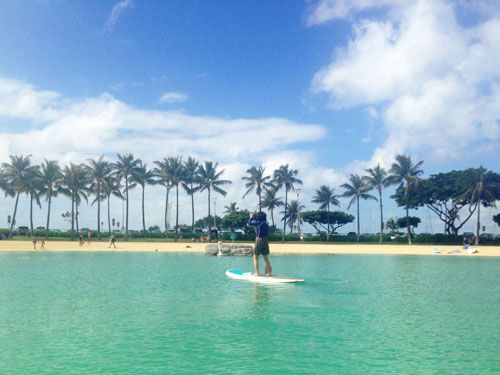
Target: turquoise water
178,313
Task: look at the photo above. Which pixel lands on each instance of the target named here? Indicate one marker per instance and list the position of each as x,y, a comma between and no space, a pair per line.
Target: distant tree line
453,196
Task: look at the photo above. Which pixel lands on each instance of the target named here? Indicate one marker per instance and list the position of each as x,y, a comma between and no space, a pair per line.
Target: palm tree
271,202
16,174
377,179
143,176
189,184
231,208
405,173
285,177
162,173
356,189
51,180
111,186
124,169
33,189
479,193
175,171
291,214
98,171
208,179
256,181
325,197
74,185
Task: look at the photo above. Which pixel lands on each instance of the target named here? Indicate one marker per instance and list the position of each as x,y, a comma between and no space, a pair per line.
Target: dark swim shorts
261,246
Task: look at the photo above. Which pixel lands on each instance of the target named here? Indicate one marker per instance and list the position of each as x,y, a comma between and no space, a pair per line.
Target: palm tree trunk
357,206
407,216
126,208
143,214
76,218
209,221
14,215
328,227
284,221
381,217
166,210
260,203
72,216
192,209
176,211
98,211
272,217
31,214
109,216
478,224
48,217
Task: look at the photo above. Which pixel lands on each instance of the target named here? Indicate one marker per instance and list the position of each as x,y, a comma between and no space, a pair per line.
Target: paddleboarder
259,221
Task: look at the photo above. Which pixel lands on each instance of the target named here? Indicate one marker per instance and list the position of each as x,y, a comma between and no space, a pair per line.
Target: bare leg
268,270
256,264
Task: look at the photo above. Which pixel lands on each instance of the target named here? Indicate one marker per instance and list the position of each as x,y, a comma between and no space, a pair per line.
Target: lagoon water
142,313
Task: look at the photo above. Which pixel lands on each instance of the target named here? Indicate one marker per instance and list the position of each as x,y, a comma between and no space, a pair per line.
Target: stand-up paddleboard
249,276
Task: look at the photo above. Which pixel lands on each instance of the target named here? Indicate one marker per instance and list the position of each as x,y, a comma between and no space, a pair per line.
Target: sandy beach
276,248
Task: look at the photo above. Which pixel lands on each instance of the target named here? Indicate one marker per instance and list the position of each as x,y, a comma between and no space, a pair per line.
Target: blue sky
329,86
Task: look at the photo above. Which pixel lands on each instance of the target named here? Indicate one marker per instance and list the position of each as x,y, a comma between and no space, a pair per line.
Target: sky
330,87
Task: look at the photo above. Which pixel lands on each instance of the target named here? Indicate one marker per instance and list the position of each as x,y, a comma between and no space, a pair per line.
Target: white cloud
433,81
75,130
173,97
116,13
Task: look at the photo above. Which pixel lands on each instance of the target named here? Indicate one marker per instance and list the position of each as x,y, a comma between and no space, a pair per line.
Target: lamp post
298,212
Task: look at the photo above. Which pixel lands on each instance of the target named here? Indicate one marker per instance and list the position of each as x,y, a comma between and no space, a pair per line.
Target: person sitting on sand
259,221
112,241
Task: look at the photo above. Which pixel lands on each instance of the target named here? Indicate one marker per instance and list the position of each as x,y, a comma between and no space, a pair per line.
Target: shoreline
276,248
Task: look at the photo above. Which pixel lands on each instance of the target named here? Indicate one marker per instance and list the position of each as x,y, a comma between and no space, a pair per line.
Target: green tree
286,177
74,186
124,168
162,172
325,197
321,219
210,179
291,214
271,202
481,191
413,220
176,173
377,179
405,173
256,180
97,173
143,176
33,189
236,220
111,186
189,184
16,174
51,179
355,190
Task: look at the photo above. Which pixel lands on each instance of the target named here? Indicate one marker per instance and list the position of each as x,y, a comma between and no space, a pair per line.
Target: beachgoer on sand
259,221
89,237
112,241
80,239
42,244
33,239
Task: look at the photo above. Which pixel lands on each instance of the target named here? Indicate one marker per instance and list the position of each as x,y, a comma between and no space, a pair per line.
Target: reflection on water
261,301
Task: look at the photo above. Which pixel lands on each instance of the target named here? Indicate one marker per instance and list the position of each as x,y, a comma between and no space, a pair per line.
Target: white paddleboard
249,276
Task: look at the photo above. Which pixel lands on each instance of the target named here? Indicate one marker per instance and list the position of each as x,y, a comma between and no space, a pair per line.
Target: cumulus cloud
118,9
66,129
433,81
173,97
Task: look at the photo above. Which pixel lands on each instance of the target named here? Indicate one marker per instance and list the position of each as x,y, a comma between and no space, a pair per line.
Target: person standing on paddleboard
259,221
